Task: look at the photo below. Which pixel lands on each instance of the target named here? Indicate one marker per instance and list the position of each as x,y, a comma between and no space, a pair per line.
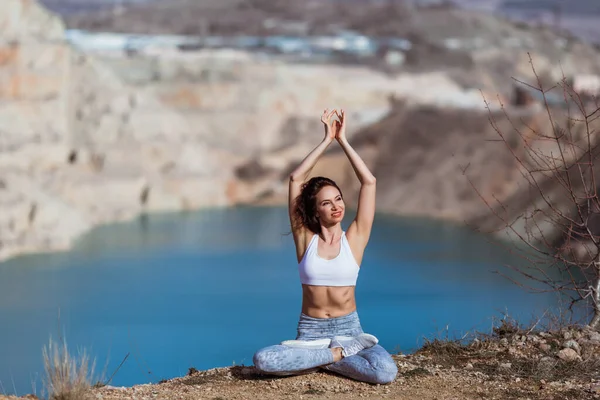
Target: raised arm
301,174
360,229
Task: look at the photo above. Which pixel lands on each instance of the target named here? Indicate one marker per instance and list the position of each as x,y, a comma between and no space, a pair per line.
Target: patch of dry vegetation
68,377
569,356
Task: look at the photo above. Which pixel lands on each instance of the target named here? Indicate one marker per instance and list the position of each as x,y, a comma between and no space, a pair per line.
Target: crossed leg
373,365
283,360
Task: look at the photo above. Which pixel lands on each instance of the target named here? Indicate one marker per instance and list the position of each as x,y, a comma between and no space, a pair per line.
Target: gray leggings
373,365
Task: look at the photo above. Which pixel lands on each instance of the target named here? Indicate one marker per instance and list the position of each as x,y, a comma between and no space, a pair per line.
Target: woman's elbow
371,181
294,177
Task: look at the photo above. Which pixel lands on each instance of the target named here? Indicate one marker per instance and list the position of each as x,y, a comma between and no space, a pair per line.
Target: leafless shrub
507,327
558,234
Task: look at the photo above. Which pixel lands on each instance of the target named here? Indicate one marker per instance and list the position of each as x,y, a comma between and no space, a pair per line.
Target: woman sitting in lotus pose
329,331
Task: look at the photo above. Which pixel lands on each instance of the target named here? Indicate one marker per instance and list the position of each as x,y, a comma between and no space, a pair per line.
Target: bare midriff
328,301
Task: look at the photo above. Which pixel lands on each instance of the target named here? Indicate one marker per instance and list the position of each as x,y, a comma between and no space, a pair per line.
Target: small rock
469,366
584,342
109,387
594,337
547,360
504,342
533,338
518,380
567,335
569,384
544,347
568,354
572,344
505,366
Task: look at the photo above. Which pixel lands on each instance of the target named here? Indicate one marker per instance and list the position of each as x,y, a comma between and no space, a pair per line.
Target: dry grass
512,351
68,377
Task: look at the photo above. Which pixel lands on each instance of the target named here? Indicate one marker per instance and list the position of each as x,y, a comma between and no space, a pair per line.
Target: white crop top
339,271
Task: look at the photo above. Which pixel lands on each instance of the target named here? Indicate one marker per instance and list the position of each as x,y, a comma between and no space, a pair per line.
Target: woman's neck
332,233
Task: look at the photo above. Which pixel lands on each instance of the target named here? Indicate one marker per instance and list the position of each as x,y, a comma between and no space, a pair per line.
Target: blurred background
180,121
112,108
181,104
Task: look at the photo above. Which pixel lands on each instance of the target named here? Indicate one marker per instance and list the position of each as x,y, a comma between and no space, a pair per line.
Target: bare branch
561,224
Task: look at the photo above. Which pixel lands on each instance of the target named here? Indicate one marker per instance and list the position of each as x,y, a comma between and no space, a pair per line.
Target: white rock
594,337
505,366
572,344
568,355
24,19
544,347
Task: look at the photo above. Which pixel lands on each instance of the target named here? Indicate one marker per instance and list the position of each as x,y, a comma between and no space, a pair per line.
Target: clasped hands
334,128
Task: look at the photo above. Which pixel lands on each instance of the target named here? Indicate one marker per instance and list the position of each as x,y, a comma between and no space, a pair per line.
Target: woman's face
330,206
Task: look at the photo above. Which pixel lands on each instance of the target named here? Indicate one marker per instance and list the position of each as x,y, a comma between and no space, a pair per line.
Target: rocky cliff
454,164
89,139
79,147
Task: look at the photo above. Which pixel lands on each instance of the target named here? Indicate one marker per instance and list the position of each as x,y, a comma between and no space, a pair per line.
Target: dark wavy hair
305,205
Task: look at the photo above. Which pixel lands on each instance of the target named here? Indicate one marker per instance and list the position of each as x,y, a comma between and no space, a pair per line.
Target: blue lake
207,289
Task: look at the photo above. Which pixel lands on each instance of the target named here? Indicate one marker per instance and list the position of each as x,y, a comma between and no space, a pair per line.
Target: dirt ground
418,378
510,364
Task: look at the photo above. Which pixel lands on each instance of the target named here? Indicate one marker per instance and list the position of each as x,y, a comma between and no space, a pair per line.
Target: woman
329,331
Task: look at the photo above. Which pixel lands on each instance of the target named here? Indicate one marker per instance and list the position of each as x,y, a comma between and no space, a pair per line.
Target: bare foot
337,354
